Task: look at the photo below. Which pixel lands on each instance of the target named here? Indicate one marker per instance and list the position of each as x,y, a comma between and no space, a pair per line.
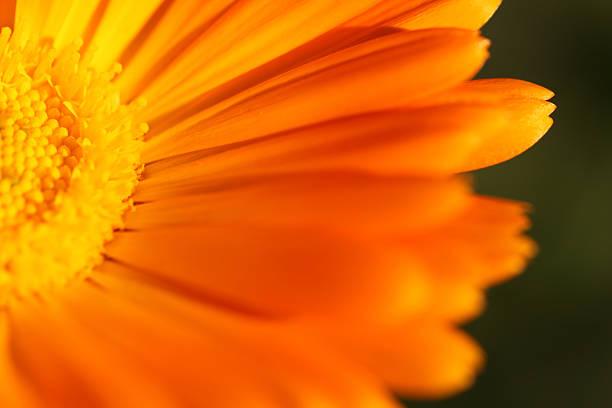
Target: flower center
69,161
41,147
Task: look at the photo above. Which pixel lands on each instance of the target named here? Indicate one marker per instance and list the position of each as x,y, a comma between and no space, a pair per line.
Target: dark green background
548,334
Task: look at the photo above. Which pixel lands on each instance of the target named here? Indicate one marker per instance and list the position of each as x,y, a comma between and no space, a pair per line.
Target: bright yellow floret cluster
40,149
69,161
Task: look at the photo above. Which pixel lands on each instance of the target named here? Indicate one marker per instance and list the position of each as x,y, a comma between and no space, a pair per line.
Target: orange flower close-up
250,203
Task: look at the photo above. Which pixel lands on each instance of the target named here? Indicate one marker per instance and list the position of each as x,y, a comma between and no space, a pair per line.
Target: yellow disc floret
69,161
39,145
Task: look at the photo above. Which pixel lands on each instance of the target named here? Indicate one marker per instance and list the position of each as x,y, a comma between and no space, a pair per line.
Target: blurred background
548,333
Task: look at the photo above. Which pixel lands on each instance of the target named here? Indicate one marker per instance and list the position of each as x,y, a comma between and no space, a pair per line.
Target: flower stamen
69,161
39,141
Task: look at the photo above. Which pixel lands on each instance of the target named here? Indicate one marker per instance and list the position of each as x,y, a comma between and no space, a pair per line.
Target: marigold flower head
250,203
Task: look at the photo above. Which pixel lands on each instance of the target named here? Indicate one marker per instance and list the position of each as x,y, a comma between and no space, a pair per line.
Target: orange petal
455,300
157,350
106,26
299,271
63,21
242,36
120,23
496,89
358,203
74,367
384,79
425,141
173,29
528,111
479,246
419,14
483,245
419,359
332,48
13,390
7,13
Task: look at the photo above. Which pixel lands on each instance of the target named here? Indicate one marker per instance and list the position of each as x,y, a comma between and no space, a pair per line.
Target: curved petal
419,14
394,74
299,271
240,37
421,358
13,390
157,350
422,142
359,203
483,244
528,113
105,25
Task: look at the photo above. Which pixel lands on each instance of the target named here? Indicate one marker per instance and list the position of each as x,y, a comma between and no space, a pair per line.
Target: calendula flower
250,203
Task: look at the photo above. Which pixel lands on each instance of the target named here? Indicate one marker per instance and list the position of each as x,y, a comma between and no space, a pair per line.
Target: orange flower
258,208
